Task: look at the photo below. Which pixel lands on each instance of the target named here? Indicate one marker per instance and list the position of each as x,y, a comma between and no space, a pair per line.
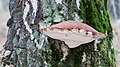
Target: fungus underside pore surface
65,31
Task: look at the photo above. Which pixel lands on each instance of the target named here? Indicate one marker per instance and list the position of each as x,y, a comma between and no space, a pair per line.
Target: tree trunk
23,39
30,48
92,54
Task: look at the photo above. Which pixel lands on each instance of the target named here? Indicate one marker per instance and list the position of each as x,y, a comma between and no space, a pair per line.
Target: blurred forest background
114,9
4,16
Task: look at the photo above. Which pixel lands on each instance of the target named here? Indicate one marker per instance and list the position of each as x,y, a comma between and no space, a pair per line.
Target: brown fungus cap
73,33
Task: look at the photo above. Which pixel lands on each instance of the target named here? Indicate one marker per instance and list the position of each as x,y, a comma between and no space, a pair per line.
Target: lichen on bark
23,35
95,14
30,48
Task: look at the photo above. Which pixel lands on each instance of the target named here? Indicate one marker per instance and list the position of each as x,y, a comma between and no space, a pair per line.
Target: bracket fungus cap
73,33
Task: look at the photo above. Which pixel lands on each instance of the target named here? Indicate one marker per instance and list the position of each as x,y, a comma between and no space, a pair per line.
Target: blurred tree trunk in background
114,9
30,48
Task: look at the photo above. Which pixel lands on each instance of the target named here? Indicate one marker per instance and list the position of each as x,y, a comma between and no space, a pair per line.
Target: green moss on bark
95,14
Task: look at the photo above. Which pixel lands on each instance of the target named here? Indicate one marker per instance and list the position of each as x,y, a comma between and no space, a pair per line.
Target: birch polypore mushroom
73,33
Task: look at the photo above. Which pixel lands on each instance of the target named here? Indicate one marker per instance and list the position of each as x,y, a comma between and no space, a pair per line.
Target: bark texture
23,35
30,48
94,54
